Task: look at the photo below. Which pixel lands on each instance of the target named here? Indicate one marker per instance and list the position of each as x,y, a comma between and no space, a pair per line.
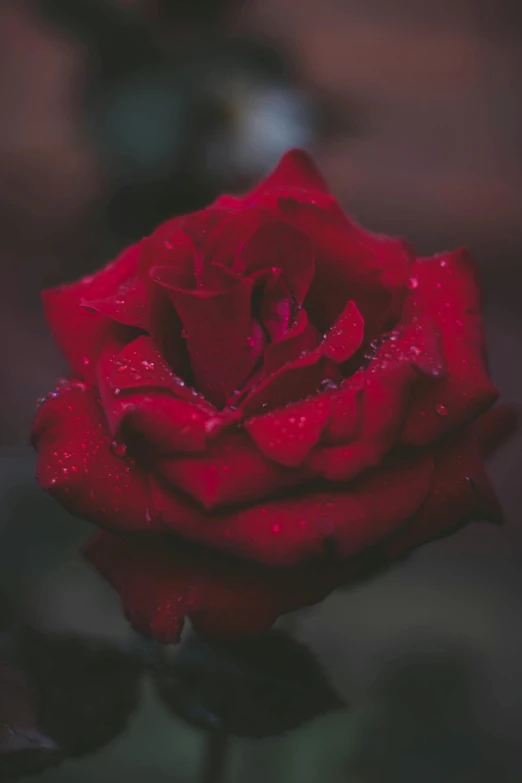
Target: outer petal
79,332
445,289
148,407
161,581
128,306
77,465
230,472
139,365
284,531
460,492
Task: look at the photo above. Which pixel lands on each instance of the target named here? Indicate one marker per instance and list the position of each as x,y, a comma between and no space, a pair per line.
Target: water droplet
122,368
148,365
40,401
148,516
327,384
441,409
443,262
251,341
413,283
86,361
167,245
53,482
276,528
117,392
119,449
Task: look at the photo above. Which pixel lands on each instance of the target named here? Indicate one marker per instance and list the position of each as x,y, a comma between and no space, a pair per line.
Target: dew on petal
119,449
86,361
413,283
276,528
327,384
441,409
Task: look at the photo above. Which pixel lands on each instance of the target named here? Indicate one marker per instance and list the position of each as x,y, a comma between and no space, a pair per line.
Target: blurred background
116,114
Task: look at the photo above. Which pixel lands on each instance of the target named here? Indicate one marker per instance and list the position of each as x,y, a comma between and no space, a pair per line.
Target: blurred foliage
251,688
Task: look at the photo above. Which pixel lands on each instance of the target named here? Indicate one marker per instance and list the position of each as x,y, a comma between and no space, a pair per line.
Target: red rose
266,378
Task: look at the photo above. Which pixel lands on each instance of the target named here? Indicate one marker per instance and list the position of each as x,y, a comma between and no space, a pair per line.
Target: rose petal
150,402
168,245
139,365
106,282
302,337
460,492
445,288
279,245
345,337
294,381
79,332
383,394
287,435
127,306
162,581
345,410
233,232
496,426
284,531
231,471
351,264
295,169
77,466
